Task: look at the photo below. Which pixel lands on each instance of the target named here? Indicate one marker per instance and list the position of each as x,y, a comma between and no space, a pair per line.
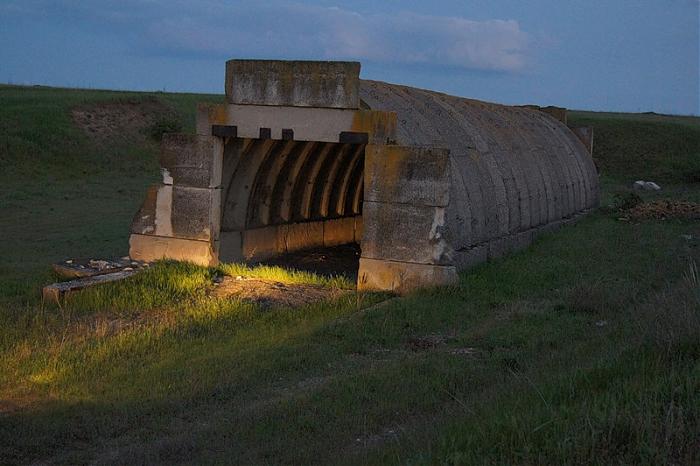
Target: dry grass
669,320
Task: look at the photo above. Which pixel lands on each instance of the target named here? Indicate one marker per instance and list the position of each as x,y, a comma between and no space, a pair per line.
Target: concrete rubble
84,274
646,186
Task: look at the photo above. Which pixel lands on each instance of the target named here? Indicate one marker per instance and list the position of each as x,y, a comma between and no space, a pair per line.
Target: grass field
582,349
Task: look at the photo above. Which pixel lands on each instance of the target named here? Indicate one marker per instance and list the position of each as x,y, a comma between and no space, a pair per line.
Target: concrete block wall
406,195
263,243
181,217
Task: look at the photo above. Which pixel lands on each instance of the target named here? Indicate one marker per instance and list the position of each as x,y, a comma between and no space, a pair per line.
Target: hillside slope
584,348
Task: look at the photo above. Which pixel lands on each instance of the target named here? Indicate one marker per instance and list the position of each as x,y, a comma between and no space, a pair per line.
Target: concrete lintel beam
332,84
306,124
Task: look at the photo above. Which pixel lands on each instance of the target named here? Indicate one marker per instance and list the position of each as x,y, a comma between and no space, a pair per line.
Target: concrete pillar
407,190
180,218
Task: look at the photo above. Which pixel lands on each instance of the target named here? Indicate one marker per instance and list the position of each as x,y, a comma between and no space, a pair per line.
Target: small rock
601,323
69,261
128,268
239,277
98,264
646,185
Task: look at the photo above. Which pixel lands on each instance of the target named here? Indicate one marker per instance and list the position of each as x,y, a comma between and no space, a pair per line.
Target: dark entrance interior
296,204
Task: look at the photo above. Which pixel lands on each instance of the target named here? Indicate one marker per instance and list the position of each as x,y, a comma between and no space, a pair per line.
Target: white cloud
281,29
292,30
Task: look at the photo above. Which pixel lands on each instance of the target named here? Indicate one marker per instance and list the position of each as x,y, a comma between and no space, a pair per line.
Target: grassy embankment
585,348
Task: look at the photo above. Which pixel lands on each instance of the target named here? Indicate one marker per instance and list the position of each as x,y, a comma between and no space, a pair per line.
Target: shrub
165,124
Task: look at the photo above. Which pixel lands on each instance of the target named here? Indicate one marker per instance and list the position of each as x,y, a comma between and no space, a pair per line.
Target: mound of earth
123,119
664,209
270,293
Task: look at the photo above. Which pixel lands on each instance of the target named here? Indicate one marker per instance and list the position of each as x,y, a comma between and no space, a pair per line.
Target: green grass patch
584,348
656,148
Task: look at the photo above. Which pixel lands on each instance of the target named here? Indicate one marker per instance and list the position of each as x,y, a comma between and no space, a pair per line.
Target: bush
166,124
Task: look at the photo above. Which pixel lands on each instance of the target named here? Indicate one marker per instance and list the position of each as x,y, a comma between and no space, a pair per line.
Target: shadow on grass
226,380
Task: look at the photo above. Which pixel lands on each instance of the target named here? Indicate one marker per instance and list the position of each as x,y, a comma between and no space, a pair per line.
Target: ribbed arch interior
273,182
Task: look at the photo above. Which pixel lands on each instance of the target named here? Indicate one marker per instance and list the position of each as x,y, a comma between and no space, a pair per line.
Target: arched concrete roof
514,169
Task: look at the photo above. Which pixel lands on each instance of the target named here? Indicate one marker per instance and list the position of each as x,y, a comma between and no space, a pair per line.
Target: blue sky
624,55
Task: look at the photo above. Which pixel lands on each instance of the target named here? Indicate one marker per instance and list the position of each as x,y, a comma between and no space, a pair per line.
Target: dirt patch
14,403
664,209
268,293
124,119
428,342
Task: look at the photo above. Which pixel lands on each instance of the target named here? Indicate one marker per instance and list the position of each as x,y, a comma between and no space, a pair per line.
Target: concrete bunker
305,154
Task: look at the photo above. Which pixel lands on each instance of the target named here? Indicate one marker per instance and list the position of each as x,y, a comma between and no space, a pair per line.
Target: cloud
223,29
293,30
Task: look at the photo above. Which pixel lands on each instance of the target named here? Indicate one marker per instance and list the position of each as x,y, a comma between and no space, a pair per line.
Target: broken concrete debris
84,274
646,186
72,268
56,291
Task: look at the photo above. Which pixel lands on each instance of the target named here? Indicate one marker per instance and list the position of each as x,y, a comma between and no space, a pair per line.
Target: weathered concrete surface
180,211
150,248
338,231
512,169
266,242
406,233
403,277
419,176
192,160
293,83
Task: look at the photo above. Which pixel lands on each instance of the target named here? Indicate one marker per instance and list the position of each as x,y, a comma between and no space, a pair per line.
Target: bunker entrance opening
282,197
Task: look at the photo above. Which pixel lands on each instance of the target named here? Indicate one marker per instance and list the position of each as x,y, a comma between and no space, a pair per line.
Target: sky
614,55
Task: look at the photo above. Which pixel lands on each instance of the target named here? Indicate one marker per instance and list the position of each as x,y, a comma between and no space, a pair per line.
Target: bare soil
124,119
268,293
664,209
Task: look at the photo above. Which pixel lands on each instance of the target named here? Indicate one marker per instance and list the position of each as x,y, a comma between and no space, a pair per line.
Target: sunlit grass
280,274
